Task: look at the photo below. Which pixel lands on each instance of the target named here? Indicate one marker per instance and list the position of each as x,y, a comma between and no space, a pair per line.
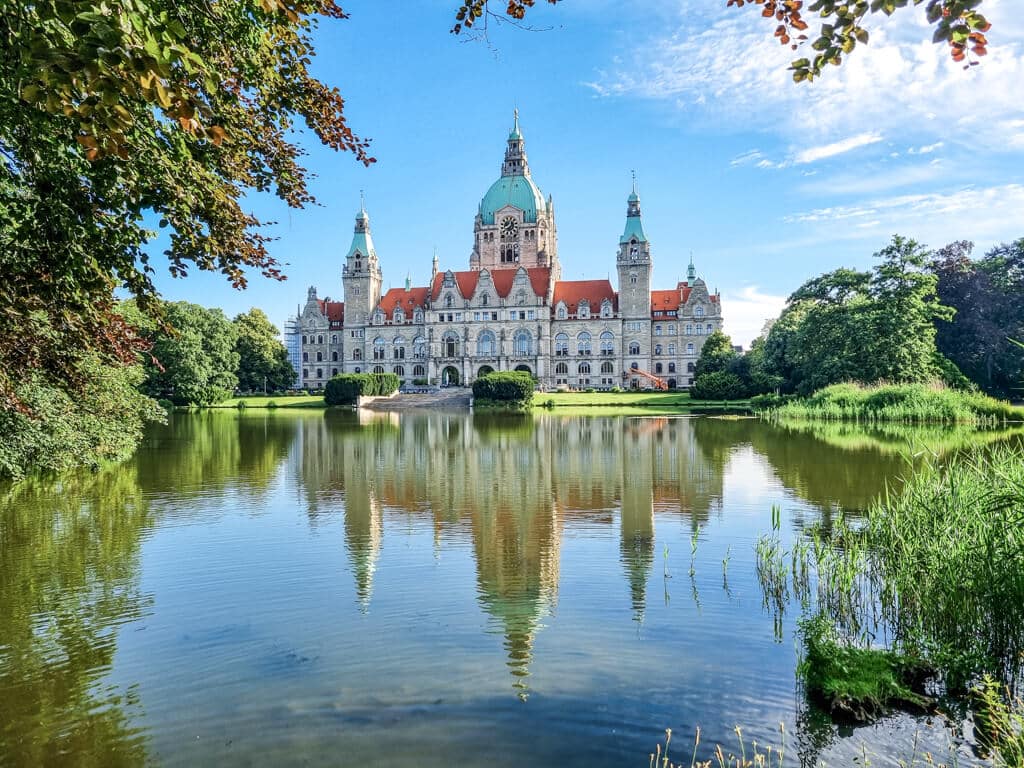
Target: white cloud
986,215
813,154
721,66
747,157
746,312
928,149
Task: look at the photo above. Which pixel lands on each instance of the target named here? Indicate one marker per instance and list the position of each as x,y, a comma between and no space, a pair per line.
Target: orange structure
658,383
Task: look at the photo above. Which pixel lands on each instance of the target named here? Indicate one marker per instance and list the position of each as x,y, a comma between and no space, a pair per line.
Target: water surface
307,588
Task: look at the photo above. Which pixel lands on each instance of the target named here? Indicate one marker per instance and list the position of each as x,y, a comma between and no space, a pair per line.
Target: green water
308,588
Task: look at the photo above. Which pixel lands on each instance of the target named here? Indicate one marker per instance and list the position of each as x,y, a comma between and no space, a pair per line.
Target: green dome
517,191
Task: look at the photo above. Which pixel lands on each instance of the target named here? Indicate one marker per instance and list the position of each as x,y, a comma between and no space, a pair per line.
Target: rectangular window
494,315
530,314
458,317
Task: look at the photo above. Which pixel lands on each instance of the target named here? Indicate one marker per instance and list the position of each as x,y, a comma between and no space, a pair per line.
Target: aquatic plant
896,403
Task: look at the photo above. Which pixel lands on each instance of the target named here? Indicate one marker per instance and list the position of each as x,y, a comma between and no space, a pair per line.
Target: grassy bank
270,401
899,403
642,399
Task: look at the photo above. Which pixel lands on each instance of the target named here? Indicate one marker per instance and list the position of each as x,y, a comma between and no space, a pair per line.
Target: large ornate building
510,310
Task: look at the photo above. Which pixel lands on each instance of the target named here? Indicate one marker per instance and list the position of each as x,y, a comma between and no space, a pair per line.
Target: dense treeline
916,317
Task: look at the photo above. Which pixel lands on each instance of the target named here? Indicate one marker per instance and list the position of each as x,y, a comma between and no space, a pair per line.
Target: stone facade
511,310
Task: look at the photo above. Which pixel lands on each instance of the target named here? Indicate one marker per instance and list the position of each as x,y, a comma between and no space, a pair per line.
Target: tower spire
515,154
691,271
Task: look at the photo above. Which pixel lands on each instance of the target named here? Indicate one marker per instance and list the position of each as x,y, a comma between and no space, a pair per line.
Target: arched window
583,309
657,349
657,330
378,317
634,366
320,339
689,348
671,367
334,356
357,354
399,348
303,338
632,278
699,329
449,301
334,371
523,343
419,347
698,311
634,348
561,312
607,343
690,367
417,316
607,367
319,373
399,370
305,373
671,349
450,345
378,369
419,371
689,329
319,357
606,308
583,343
485,300
398,316
561,369
658,368
334,338
378,348
561,344
584,369
485,343
710,329
305,357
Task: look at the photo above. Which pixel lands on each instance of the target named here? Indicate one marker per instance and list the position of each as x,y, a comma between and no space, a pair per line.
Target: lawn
286,401
642,399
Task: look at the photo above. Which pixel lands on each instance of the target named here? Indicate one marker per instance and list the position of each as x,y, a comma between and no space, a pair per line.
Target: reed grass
898,403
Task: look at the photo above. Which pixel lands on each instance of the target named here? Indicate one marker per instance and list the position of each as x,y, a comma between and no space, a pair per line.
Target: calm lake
431,589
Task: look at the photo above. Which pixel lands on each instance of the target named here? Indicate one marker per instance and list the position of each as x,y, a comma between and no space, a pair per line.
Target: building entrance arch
524,368
484,370
450,376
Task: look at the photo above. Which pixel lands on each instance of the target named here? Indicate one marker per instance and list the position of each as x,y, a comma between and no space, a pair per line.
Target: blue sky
767,182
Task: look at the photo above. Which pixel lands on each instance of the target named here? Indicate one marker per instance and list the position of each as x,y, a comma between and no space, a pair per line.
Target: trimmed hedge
720,385
346,388
504,386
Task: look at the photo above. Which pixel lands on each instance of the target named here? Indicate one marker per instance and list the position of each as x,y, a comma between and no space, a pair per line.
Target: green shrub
347,388
720,385
166,404
504,386
419,382
272,404
616,389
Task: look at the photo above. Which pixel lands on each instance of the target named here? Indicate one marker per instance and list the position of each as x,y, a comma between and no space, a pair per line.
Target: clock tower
515,225
633,264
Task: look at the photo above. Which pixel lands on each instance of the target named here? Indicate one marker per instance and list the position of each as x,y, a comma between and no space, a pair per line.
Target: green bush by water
504,387
347,388
903,403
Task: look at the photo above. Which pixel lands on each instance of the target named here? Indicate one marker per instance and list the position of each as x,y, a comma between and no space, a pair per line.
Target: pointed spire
408,281
515,154
634,226
691,271
362,242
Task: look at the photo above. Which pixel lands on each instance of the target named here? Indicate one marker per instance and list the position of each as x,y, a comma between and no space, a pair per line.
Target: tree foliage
861,326
988,295
958,23
262,358
193,355
118,113
505,386
716,355
104,423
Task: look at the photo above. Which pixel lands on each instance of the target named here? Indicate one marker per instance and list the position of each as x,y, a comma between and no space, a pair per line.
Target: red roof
572,292
335,310
408,300
503,280
667,300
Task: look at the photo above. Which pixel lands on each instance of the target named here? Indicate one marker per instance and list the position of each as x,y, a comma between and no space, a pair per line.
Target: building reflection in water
507,484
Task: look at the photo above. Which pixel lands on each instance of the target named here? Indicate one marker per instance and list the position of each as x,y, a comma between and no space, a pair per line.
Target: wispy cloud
752,156
747,310
813,154
721,67
927,149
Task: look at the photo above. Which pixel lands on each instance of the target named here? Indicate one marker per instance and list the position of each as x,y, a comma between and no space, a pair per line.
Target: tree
862,326
716,355
988,296
193,355
956,22
117,113
262,358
